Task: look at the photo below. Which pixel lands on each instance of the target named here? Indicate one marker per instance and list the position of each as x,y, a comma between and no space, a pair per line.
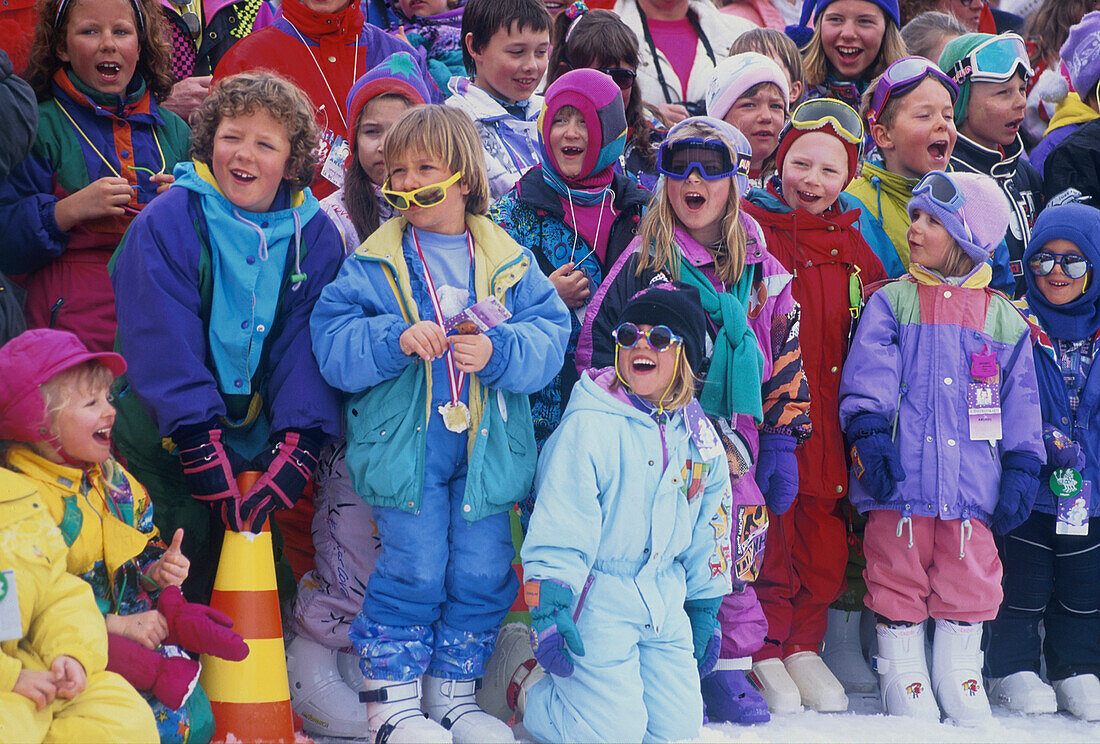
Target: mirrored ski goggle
820,112
658,337
425,196
901,77
994,60
1073,267
710,157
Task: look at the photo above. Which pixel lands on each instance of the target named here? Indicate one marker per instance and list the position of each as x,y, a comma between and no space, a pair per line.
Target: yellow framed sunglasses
425,196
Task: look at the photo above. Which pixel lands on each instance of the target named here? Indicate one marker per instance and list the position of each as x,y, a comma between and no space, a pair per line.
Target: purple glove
292,462
554,635
875,460
777,471
208,470
1062,452
1019,483
198,628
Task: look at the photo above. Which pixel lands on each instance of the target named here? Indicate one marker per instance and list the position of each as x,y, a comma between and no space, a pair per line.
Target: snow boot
347,662
451,704
394,715
817,686
904,684
842,652
728,697
319,694
774,682
512,662
1023,692
1080,695
957,673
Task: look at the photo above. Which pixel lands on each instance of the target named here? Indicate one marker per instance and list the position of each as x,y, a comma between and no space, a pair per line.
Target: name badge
333,168
983,400
1072,494
11,624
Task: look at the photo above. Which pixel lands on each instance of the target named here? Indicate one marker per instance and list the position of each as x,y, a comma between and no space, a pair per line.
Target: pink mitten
170,679
199,628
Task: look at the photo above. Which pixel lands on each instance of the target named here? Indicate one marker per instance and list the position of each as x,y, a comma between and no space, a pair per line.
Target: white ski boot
771,678
842,652
511,663
957,673
1024,693
904,685
1080,695
393,710
451,704
327,705
817,686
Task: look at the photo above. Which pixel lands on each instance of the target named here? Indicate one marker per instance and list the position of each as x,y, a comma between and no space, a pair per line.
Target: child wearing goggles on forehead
939,403
811,228
440,439
909,110
1050,561
628,555
992,73
756,391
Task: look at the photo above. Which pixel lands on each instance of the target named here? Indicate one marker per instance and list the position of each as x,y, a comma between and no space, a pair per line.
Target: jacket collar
533,190
65,477
483,107
137,104
894,185
1071,111
973,157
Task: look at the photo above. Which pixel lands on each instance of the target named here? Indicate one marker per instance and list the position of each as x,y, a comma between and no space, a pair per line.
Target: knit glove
1062,452
171,679
198,628
1019,482
291,462
875,460
208,470
777,471
706,635
554,635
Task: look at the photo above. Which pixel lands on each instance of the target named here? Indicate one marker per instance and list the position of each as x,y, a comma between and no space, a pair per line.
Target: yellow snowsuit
58,616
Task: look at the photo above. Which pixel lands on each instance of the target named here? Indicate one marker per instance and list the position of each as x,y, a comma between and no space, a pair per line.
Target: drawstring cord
965,531
262,251
298,276
906,520
576,231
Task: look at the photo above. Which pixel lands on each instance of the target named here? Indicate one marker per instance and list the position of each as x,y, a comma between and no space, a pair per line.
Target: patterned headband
64,6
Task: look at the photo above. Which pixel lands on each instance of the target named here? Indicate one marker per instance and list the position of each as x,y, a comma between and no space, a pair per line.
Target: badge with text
1073,509
983,401
11,624
749,540
332,170
983,365
477,318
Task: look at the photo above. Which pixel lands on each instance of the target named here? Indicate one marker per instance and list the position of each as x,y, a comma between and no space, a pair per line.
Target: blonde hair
957,262
658,227
58,391
817,64
680,390
448,135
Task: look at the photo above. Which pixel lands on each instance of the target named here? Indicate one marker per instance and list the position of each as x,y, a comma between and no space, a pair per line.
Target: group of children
715,366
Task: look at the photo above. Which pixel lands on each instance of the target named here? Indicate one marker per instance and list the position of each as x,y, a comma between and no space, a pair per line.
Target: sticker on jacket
752,530
693,478
721,558
11,624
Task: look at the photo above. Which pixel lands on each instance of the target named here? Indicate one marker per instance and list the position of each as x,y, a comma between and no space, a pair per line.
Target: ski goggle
994,60
819,112
901,77
658,337
1074,267
943,193
710,157
425,196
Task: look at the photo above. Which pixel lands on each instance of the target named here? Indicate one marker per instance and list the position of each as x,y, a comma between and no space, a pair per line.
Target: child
810,227
992,72
574,211
375,102
928,33
1070,169
440,441
606,554
434,28
53,655
238,252
1049,560
933,351
909,110
104,150
56,417
599,39
779,48
505,46
852,42
699,234
750,91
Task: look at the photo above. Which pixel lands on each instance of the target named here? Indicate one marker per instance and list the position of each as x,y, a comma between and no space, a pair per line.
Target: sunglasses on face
658,337
1073,267
425,196
623,76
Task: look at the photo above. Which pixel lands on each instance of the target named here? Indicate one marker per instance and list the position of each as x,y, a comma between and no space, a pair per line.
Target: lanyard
153,129
324,78
455,378
653,50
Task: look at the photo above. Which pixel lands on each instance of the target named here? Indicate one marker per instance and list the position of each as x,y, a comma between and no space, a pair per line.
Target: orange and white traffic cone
250,698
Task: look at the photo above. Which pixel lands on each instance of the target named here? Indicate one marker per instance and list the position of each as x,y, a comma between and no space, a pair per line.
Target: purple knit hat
600,101
1081,54
979,217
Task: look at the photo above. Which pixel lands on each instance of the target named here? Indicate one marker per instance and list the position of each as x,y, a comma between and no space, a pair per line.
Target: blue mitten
875,460
1019,482
1062,452
777,471
553,633
706,636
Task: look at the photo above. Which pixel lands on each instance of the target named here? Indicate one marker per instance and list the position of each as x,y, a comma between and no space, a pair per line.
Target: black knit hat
676,305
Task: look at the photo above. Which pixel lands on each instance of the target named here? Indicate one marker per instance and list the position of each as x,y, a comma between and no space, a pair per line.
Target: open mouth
849,54
572,152
103,436
806,197
525,83
1058,283
553,6
1014,125
242,176
108,70
642,365
938,150
694,200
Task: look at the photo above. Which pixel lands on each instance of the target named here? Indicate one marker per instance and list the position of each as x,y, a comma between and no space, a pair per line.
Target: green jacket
886,196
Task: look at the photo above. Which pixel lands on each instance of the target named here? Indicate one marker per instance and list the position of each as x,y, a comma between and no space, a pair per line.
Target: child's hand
424,339
147,628
172,568
102,198
69,676
471,352
572,285
38,687
164,179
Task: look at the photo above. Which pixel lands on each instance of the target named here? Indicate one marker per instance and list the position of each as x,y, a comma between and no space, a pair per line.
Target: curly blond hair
247,93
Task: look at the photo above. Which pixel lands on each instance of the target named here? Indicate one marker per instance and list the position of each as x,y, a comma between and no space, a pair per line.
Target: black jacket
1072,169
18,117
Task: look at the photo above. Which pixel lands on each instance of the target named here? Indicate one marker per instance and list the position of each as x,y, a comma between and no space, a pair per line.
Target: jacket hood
770,200
592,394
197,177
14,487
1071,111
895,185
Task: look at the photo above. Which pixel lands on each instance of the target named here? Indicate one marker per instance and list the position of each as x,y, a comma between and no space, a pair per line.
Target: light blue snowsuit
649,521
